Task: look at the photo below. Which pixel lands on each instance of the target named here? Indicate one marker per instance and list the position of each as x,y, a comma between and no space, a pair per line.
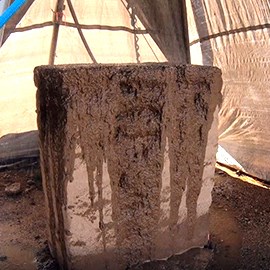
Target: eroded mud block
127,157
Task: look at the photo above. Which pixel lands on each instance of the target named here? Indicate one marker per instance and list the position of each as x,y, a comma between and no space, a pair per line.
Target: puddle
18,258
227,237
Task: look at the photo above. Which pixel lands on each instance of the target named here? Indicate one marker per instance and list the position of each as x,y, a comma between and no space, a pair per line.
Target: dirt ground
239,226
22,220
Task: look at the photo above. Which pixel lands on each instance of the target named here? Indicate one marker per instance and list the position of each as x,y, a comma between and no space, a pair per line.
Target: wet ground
239,226
22,221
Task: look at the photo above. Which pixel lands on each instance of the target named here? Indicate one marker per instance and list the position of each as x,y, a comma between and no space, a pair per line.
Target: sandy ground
239,226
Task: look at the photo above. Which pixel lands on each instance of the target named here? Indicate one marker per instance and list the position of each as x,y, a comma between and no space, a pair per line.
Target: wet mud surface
22,220
240,225
118,120
239,228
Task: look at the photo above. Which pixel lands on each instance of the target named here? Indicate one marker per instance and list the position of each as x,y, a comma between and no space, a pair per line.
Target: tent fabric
108,29
233,35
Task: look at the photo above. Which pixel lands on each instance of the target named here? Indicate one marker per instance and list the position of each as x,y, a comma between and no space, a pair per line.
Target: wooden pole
184,27
57,19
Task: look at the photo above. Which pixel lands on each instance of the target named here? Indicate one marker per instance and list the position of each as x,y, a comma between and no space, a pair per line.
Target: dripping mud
239,228
124,126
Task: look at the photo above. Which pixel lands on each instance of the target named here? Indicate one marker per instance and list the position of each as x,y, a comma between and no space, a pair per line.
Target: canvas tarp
112,35
233,35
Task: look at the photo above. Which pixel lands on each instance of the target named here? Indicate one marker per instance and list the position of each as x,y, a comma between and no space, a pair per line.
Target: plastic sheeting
3,5
17,147
233,35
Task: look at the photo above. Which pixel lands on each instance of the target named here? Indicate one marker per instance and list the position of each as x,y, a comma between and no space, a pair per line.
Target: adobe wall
127,157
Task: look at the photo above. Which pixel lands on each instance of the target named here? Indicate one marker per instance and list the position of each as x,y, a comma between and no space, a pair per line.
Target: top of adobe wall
193,73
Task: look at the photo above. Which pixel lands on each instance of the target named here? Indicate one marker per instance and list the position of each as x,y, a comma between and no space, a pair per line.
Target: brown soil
240,227
22,221
240,224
